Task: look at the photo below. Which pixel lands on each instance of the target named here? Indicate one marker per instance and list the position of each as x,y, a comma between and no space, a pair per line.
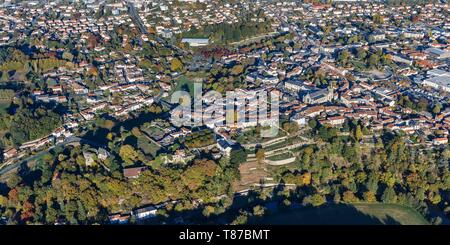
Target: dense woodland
60,187
63,188
24,120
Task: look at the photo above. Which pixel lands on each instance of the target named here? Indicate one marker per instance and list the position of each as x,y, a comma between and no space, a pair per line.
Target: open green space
155,132
281,156
352,214
147,146
183,83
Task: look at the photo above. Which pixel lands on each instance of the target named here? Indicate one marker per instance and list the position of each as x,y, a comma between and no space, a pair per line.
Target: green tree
358,133
260,155
349,197
200,171
67,56
3,201
176,65
13,180
237,70
241,219
369,196
435,198
389,196
238,156
361,54
128,154
314,200
337,198
343,57
258,210
208,210
437,108
377,19
312,123
374,60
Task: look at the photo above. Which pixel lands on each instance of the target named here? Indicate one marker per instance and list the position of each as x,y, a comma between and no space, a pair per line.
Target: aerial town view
224,112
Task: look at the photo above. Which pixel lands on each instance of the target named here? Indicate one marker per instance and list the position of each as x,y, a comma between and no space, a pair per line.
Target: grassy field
154,132
403,215
282,156
4,105
147,146
183,83
253,39
355,214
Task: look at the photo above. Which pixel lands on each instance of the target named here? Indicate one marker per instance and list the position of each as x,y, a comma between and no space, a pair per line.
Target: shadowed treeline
277,214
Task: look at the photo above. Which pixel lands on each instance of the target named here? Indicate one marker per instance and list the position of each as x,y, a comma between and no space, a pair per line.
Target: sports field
355,214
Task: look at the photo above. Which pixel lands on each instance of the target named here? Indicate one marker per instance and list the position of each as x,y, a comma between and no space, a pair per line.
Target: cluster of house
134,96
126,72
133,99
169,18
64,84
57,136
93,155
140,214
64,21
420,52
7,26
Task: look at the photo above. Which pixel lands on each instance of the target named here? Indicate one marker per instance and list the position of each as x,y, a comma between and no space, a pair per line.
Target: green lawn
4,105
355,214
277,145
359,65
287,142
154,132
281,156
185,84
404,215
147,146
